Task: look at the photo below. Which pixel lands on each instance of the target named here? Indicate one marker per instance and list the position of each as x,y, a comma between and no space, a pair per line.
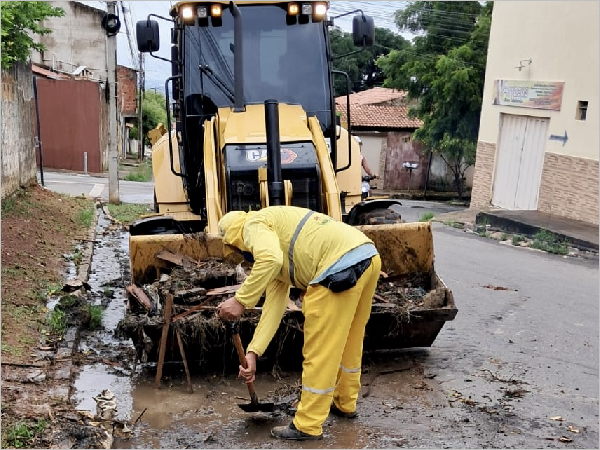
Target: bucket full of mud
172,302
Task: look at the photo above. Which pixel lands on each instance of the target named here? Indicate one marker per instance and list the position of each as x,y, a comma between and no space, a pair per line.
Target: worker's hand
230,310
249,374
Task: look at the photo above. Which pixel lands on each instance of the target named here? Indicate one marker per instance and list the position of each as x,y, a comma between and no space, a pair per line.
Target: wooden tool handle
242,357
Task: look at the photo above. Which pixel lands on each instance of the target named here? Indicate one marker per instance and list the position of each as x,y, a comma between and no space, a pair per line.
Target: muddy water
110,368
454,395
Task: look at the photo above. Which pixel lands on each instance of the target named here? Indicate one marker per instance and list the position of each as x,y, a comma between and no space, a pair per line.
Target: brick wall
127,90
18,129
569,188
481,195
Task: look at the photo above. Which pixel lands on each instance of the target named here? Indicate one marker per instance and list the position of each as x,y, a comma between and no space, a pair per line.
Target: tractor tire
379,216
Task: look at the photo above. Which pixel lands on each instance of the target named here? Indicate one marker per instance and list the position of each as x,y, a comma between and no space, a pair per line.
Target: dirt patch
41,234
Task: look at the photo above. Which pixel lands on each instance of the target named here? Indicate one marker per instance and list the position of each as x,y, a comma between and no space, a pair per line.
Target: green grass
453,223
16,203
11,350
504,237
426,217
21,434
96,312
128,212
517,239
143,172
85,216
76,257
57,322
53,288
549,242
68,301
16,271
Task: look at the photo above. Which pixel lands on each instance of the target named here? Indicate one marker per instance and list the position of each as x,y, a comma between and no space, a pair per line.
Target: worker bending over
338,267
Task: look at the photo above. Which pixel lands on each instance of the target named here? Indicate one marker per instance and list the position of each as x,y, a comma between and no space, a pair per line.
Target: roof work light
320,9
306,9
216,10
202,12
187,14
293,9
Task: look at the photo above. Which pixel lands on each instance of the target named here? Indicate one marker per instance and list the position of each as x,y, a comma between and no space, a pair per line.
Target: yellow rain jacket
267,234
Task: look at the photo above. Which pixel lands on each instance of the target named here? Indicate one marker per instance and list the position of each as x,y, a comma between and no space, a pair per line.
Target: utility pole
141,97
113,156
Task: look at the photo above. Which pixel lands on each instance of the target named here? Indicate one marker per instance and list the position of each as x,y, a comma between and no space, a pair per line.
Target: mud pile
188,292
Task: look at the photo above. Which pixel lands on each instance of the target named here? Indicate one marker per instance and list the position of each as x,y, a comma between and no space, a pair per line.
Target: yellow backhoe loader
254,124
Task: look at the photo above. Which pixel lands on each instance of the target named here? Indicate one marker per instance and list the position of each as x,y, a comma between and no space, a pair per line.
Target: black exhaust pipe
238,59
274,178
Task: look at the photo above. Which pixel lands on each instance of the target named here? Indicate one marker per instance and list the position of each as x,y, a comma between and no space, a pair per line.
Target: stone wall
18,129
481,195
569,188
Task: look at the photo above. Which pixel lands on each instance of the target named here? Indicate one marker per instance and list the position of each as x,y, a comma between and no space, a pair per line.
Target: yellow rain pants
267,234
334,324
334,328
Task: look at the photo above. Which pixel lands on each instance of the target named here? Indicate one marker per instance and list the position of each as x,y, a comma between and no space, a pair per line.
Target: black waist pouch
347,278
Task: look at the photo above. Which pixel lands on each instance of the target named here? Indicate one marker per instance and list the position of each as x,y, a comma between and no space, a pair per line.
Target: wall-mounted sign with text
529,94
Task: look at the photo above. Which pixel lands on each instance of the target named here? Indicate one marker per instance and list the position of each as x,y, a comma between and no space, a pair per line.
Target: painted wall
563,42
372,150
18,129
77,39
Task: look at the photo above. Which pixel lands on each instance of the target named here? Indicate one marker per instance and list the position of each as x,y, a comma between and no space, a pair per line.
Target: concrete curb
511,225
83,271
63,368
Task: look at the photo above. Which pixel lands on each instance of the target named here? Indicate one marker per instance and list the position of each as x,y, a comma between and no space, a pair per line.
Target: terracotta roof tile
381,116
48,73
372,96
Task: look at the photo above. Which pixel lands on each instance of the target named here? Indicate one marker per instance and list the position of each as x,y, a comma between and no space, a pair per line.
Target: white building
539,137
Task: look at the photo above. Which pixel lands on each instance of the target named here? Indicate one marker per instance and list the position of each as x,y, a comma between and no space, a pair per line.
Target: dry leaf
565,439
558,418
572,429
496,288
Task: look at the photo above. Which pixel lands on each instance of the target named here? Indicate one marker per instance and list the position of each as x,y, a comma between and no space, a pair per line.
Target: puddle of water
93,379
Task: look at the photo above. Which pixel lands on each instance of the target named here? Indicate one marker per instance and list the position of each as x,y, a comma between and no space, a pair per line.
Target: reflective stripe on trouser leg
328,320
348,386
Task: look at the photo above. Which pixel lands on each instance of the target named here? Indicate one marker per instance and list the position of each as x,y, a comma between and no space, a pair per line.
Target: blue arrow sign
564,139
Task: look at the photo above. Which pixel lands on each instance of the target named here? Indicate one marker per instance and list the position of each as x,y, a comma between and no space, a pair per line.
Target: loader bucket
406,251
146,267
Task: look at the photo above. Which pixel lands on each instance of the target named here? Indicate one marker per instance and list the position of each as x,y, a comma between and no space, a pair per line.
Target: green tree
360,66
444,73
153,112
20,22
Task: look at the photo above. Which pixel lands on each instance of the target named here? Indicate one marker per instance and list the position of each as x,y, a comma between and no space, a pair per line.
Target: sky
158,71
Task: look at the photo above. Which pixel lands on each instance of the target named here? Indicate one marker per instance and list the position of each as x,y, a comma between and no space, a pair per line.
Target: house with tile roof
380,118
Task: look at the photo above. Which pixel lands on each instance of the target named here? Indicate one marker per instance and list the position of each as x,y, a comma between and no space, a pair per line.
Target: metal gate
519,161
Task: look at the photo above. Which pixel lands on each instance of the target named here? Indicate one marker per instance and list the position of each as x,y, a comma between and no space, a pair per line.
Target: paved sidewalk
580,234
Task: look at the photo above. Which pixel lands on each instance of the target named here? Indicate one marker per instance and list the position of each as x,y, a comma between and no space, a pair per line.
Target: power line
128,32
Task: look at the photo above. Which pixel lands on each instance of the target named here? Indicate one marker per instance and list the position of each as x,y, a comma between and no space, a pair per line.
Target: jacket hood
231,227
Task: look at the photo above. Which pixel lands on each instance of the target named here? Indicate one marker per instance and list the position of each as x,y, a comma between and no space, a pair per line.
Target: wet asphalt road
542,330
76,184
522,350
